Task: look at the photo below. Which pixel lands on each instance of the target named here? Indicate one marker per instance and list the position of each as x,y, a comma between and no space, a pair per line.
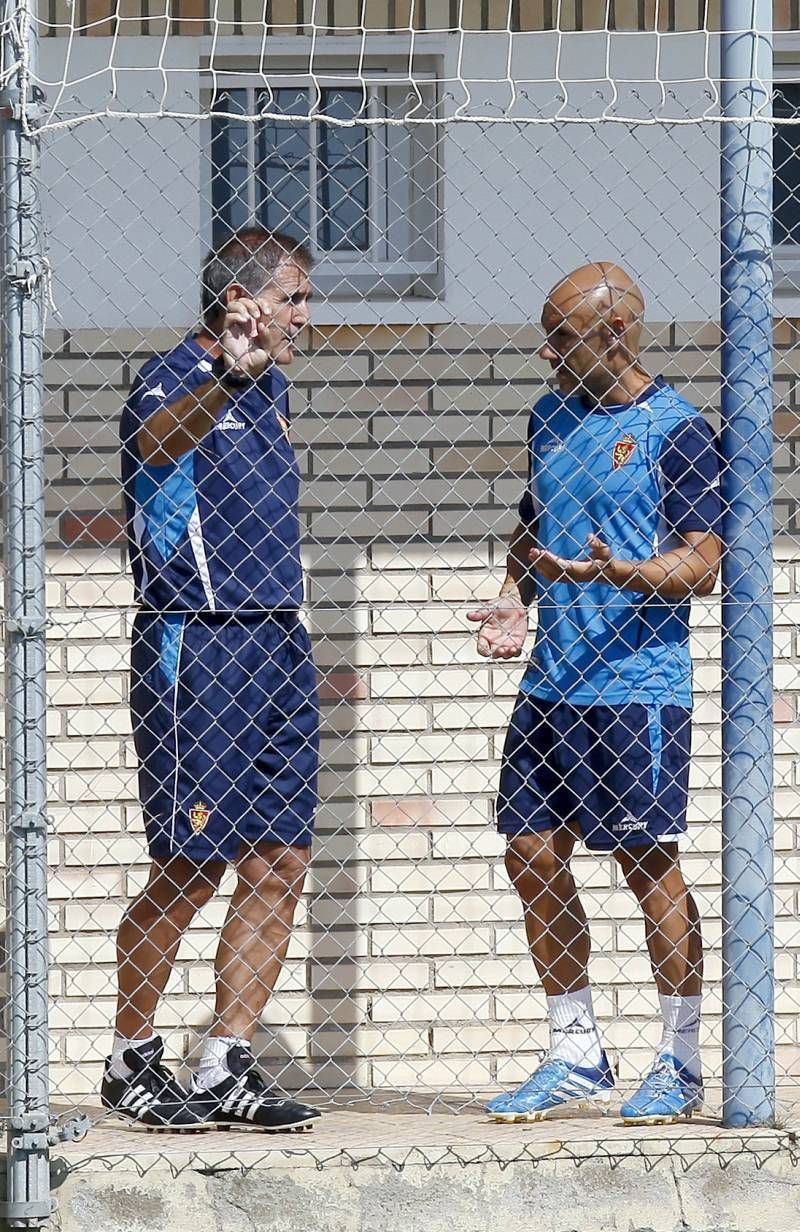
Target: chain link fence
445,172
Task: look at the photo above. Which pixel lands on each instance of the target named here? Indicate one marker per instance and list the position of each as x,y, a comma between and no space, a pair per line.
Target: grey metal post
28,1200
747,778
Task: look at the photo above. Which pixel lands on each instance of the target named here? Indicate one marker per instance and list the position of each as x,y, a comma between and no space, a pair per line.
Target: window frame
345,274
786,257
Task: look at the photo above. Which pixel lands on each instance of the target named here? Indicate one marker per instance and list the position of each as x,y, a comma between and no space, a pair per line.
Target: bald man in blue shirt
223,686
619,528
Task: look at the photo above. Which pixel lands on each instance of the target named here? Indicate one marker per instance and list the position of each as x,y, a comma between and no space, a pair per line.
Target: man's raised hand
245,338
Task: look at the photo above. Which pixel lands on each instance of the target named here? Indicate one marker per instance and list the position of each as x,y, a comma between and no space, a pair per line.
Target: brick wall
408,967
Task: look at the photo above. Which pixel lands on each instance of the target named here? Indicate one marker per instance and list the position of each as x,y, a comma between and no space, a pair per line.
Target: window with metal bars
327,164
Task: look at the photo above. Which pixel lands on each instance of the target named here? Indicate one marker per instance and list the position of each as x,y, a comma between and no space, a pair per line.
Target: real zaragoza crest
199,814
622,451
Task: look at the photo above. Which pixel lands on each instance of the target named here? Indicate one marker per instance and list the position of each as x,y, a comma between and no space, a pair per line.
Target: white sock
117,1066
573,1030
213,1067
681,1030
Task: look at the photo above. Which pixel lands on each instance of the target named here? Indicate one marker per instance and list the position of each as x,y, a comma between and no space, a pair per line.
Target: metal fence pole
28,1198
747,700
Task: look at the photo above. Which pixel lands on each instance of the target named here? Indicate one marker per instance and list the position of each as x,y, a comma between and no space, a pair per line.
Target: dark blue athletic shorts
226,729
618,773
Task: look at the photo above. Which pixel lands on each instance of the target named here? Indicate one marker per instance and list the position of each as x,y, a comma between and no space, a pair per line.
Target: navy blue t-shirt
640,476
217,530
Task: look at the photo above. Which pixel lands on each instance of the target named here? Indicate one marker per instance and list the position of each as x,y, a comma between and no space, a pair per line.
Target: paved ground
372,1167
389,1130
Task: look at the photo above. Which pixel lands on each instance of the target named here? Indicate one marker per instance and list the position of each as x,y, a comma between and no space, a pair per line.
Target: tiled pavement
391,1133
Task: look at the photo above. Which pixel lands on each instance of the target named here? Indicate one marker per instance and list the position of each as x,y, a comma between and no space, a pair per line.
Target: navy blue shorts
226,729
618,773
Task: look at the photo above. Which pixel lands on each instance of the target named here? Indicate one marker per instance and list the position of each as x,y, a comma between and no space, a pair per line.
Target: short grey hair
251,258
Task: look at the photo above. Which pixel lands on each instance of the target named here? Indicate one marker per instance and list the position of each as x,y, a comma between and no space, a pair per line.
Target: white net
446,165
483,70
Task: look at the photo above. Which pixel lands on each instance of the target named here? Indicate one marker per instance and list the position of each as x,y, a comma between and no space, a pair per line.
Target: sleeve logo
199,814
622,451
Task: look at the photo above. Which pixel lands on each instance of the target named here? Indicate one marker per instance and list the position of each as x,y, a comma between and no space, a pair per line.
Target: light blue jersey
640,476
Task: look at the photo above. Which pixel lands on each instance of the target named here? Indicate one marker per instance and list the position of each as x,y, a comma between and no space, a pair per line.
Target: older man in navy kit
223,686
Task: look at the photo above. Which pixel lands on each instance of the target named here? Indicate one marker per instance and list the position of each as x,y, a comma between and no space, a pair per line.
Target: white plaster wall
124,197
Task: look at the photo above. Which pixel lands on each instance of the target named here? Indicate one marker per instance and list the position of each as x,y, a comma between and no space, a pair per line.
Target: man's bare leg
558,935
256,934
135,1084
672,929
251,951
671,919
555,922
150,934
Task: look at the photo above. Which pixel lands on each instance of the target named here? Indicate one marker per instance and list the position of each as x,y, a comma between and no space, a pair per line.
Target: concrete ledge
411,1172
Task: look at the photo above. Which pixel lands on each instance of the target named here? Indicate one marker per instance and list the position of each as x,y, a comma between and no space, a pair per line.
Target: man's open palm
504,627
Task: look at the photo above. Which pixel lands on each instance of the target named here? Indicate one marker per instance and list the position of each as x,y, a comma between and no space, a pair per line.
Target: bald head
597,289
592,320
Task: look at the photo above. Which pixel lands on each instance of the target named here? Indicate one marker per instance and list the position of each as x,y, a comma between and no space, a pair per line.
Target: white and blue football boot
555,1084
668,1093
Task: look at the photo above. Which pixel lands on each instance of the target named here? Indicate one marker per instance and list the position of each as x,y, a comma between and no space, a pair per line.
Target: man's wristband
227,377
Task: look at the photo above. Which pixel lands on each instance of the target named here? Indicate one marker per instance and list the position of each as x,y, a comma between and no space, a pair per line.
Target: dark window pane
230,170
786,164
283,164
343,171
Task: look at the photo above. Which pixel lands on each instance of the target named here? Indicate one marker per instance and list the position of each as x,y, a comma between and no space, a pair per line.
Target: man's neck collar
619,396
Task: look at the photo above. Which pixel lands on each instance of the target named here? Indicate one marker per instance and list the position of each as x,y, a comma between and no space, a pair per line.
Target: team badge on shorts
622,451
199,814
